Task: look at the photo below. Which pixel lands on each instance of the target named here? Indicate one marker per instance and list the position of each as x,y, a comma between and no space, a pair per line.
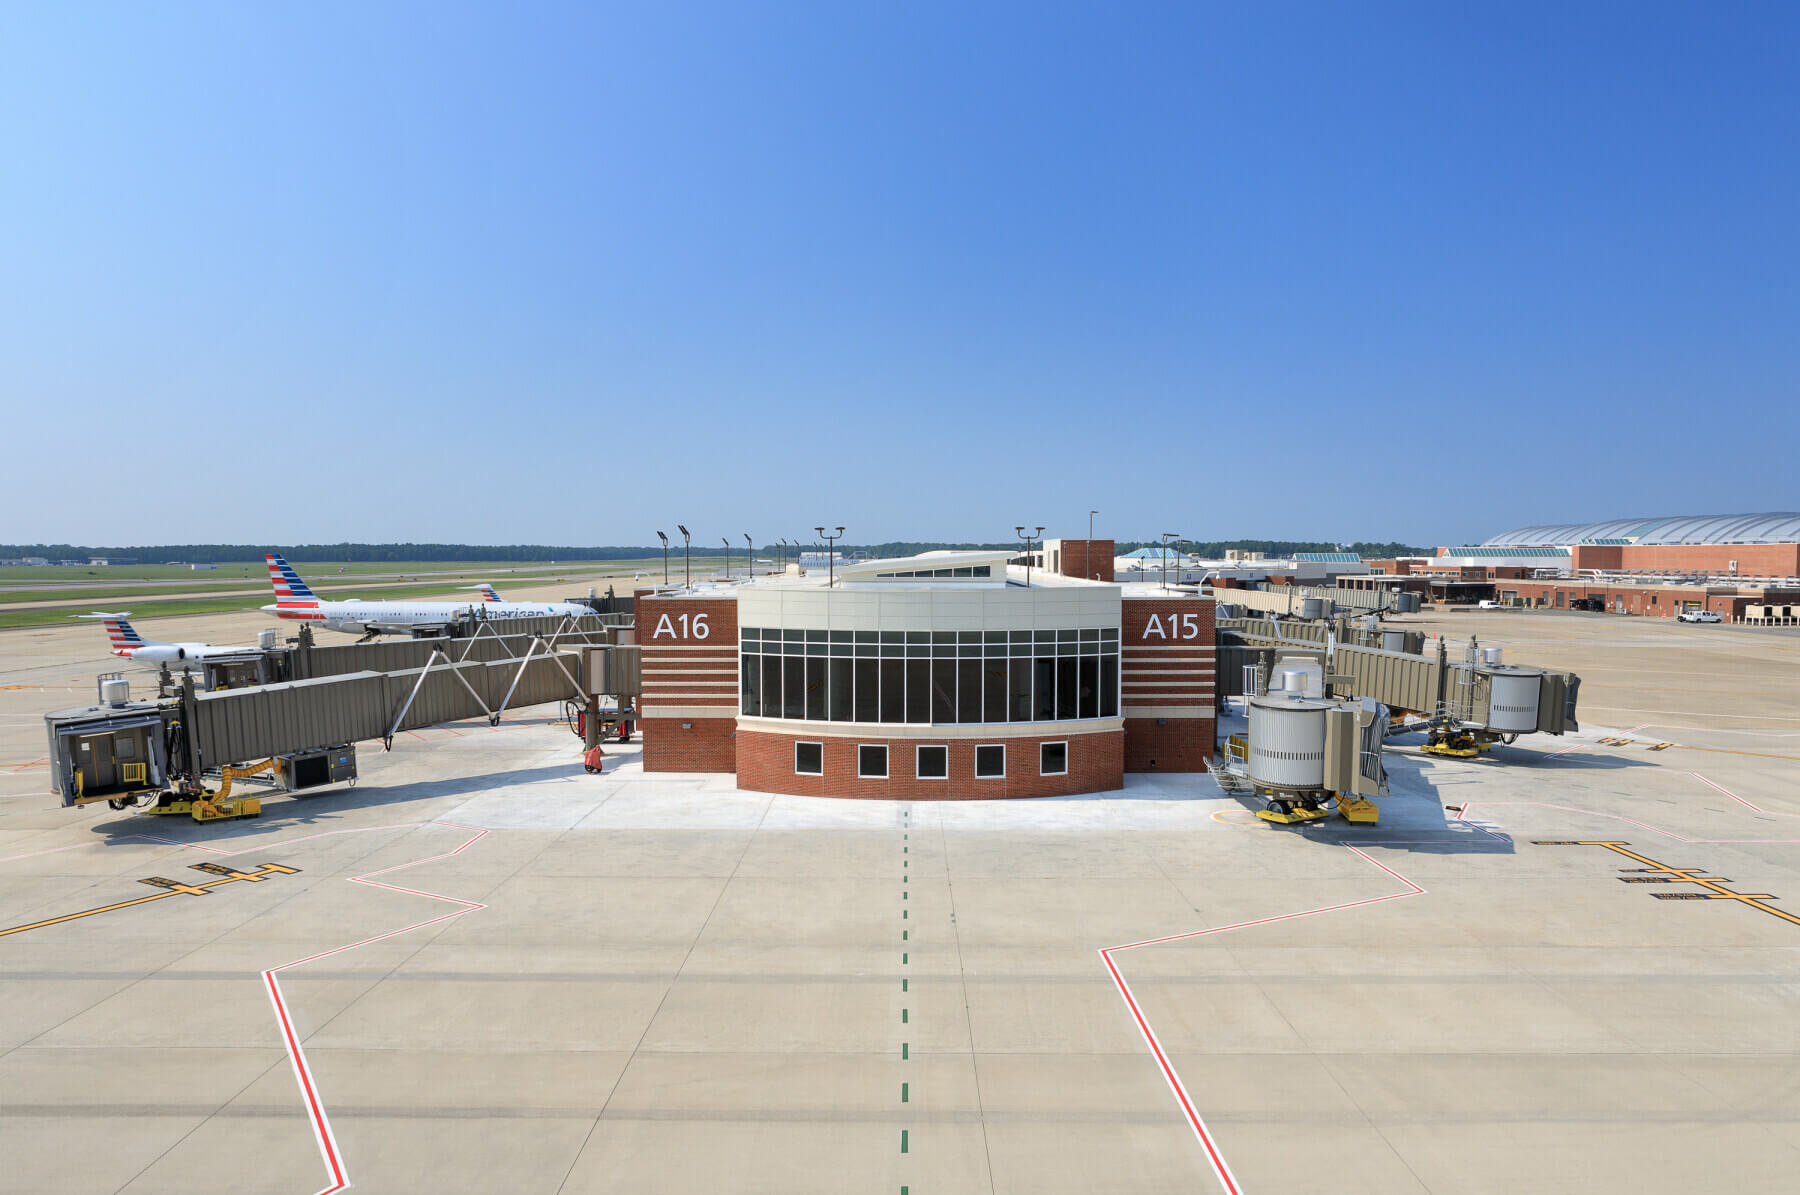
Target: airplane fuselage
360,618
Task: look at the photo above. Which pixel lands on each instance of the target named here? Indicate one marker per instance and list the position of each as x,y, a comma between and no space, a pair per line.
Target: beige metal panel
1395,679
241,725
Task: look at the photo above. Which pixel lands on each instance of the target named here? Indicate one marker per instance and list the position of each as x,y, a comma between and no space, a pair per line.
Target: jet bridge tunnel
304,731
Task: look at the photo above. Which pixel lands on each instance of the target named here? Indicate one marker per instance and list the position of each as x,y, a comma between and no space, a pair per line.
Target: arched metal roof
1777,528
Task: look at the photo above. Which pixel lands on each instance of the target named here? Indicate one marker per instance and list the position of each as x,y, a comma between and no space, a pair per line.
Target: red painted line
1214,1155
335,1169
315,1105
415,734
1727,792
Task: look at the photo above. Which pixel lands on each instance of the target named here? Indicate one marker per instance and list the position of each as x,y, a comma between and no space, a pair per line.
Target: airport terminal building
949,675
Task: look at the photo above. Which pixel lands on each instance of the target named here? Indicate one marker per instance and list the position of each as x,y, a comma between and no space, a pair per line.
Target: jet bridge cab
114,751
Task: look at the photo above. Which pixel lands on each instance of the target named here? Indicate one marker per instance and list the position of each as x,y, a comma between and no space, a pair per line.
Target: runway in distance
126,642
295,600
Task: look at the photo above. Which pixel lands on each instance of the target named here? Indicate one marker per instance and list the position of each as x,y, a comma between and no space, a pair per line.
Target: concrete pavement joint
1215,1157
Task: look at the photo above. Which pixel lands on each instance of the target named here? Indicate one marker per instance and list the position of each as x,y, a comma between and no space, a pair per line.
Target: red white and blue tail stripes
290,590
488,593
121,637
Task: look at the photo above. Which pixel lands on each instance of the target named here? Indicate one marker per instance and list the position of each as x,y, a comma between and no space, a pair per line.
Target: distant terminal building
1660,567
943,675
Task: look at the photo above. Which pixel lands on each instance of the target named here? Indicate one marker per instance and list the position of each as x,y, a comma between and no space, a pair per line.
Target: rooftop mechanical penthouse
949,675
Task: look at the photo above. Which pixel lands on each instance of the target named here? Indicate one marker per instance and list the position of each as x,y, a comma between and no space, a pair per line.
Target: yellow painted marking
1652,871
170,888
1219,814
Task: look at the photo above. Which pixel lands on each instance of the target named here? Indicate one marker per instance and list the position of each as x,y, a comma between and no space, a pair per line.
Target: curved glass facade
929,677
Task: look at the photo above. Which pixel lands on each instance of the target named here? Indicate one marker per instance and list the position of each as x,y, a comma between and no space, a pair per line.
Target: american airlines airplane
294,600
133,646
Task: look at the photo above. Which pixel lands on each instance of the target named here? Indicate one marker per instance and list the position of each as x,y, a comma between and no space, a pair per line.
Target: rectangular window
934,763
809,759
868,690
750,678
771,683
1109,686
990,760
943,690
871,761
1044,690
793,686
815,690
893,690
1018,705
993,691
1053,759
1090,686
918,691
839,697
968,690
1067,685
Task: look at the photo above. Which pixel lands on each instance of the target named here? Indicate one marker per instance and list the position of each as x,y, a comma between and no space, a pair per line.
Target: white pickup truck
1699,616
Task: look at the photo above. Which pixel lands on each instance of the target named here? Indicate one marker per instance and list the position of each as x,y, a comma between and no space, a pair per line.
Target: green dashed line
903,894
902,1140
903,914
903,935
903,1098
903,1016
903,985
903,958
903,1052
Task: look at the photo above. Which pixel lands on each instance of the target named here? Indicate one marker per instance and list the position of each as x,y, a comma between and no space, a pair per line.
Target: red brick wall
765,763
1091,559
1163,638
1753,560
690,656
689,744
1176,745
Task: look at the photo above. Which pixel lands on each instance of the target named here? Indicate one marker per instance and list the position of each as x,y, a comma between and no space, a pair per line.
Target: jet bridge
157,753
1467,704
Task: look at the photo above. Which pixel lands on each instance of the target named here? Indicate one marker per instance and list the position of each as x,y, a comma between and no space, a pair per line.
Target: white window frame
799,743
1001,747
944,747
1064,744
886,755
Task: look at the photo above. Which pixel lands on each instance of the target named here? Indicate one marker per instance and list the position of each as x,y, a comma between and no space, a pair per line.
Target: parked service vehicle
1699,616
1487,605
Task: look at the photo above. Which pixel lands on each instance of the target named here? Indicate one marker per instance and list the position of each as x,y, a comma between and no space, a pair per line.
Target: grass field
257,570
153,601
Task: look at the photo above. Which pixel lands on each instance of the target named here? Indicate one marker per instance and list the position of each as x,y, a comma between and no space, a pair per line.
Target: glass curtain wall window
929,677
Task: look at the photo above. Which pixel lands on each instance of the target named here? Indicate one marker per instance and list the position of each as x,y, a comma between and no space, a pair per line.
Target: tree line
411,552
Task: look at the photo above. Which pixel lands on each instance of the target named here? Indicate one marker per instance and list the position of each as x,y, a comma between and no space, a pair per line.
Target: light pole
1091,515
750,553
687,559
1166,537
665,540
1090,545
782,540
1037,534
830,554
726,540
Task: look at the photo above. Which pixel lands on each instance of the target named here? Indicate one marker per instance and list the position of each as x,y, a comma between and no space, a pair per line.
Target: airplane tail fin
119,633
488,592
290,590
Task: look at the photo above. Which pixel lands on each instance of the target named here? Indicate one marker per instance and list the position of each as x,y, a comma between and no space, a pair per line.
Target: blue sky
571,273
